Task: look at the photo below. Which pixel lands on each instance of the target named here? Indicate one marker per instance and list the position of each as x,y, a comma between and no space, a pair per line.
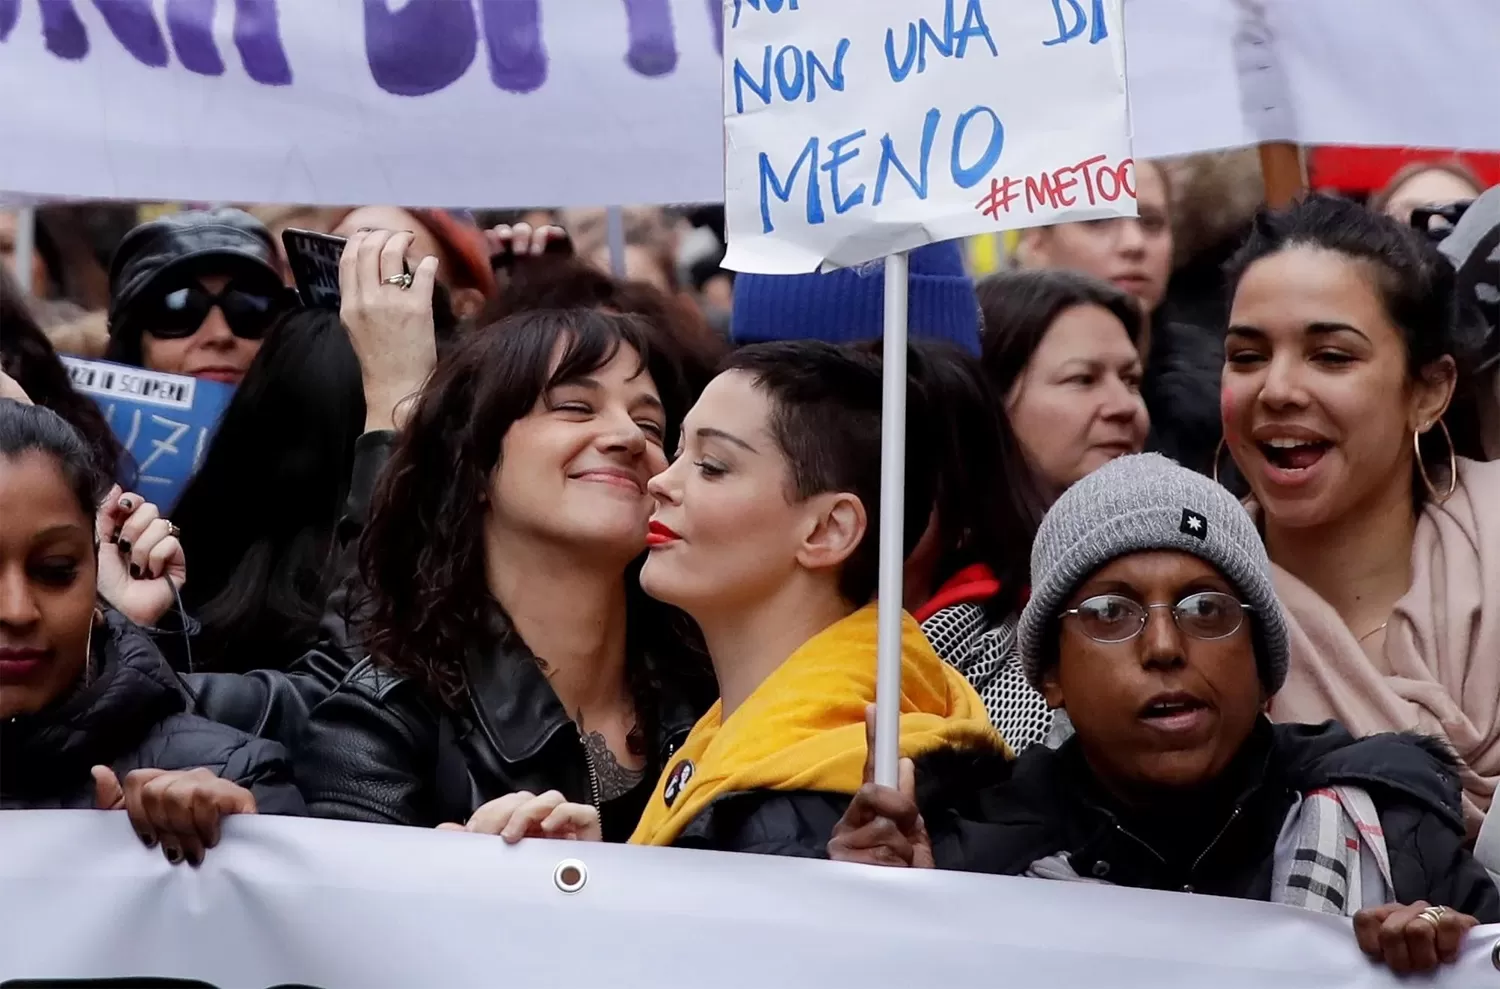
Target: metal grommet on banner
1495,955
570,875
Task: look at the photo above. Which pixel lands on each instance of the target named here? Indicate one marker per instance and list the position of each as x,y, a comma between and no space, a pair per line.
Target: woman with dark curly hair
511,647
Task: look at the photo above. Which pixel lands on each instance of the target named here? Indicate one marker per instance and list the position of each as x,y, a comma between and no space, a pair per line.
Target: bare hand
180,810
140,560
390,328
509,243
11,388
526,815
1406,941
883,826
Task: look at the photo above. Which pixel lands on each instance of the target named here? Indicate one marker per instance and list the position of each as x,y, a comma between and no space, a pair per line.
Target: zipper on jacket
1222,832
1192,870
593,772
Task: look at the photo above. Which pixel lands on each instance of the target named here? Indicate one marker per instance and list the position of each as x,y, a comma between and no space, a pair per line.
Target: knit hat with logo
1139,504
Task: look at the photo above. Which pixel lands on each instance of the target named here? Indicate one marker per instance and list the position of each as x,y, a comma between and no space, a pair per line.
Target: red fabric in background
1366,170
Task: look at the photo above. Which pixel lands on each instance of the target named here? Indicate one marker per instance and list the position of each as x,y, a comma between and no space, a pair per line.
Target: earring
1416,445
1218,452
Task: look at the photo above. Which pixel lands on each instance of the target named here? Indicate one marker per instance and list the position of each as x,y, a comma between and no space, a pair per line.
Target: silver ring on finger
402,281
173,530
1433,915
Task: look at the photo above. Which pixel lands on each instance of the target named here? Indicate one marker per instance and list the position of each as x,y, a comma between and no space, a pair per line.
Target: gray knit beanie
1141,503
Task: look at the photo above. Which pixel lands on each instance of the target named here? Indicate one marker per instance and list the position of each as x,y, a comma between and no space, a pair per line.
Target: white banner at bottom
346,906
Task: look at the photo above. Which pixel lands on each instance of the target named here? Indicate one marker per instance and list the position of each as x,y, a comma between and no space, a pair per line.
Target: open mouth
1294,455
1167,708
1175,712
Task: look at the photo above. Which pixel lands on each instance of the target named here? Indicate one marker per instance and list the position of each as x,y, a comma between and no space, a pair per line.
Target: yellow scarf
804,727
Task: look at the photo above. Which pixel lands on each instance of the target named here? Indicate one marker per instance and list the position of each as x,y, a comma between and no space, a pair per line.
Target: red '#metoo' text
1088,183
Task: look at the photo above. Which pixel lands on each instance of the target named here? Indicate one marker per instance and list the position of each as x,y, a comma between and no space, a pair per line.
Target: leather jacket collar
518,711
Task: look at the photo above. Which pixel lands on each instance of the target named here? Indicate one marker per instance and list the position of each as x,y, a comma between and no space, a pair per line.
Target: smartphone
314,259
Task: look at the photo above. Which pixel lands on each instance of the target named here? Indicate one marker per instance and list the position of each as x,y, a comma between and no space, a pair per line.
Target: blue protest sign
164,421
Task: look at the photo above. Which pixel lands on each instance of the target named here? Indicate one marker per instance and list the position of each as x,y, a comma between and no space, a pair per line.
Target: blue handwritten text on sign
423,47
855,133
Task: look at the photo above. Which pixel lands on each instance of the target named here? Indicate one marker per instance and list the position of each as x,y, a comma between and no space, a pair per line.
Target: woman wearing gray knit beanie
1153,624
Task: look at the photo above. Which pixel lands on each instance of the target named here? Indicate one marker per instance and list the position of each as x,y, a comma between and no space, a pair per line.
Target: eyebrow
62,529
1313,329
592,384
708,432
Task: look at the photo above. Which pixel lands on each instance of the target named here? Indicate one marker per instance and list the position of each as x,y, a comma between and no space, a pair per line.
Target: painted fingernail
124,545
135,571
127,503
174,855
148,840
116,537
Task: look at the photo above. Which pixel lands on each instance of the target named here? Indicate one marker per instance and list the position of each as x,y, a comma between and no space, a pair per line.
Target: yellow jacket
804,727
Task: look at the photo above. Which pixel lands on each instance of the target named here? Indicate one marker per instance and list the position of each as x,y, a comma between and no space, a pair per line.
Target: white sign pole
892,514
614,225
25,245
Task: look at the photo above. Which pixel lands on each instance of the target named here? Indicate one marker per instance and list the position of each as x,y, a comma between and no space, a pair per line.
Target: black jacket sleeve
1429,862
370,753
262,768
767,822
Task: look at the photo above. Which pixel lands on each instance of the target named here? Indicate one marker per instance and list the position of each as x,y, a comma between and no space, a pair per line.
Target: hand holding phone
314,260
390,326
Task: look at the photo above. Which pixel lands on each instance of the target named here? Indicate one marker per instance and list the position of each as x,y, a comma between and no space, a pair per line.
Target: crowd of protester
1202,581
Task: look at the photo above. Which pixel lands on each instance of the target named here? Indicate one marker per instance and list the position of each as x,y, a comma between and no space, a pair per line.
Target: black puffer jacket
381,749
130,715
997,817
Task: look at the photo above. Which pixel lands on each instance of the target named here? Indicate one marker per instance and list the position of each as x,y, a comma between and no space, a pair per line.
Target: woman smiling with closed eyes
512,650
1346,409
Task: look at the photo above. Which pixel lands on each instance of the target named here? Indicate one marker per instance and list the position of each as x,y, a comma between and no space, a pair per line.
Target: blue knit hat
848,305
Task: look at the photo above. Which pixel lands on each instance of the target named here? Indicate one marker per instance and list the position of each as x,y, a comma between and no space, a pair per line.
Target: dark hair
825,418
1417,287
258,518
422,557
28,356
28,428
988,505
1019,307
570,283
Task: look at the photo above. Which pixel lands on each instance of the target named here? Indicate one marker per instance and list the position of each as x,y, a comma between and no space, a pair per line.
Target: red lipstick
660,534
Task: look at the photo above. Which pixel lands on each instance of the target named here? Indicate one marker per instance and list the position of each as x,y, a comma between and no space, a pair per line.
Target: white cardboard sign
856,130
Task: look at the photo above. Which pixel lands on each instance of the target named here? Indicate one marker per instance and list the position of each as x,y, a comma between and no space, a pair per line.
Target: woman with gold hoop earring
91,716
1344,405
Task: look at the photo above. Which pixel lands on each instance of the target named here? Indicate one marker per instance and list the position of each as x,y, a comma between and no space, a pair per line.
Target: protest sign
853,132
417,102
164,421
578,102
336,905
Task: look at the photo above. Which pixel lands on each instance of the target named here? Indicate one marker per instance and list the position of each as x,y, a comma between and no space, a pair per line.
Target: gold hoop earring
1218,452
1416,445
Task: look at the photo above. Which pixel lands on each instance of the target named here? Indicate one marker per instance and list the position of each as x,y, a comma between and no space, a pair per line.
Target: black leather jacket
381,749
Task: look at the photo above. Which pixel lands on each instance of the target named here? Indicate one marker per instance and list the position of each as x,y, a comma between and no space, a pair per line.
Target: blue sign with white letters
164,421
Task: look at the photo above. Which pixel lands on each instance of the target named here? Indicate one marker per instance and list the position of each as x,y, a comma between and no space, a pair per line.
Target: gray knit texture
1147,502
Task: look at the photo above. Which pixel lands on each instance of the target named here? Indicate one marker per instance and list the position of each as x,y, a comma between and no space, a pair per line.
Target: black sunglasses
1423,217
178,312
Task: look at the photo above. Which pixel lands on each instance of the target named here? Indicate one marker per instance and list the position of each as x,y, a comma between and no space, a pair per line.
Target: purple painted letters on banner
257,34
422,48
513,34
